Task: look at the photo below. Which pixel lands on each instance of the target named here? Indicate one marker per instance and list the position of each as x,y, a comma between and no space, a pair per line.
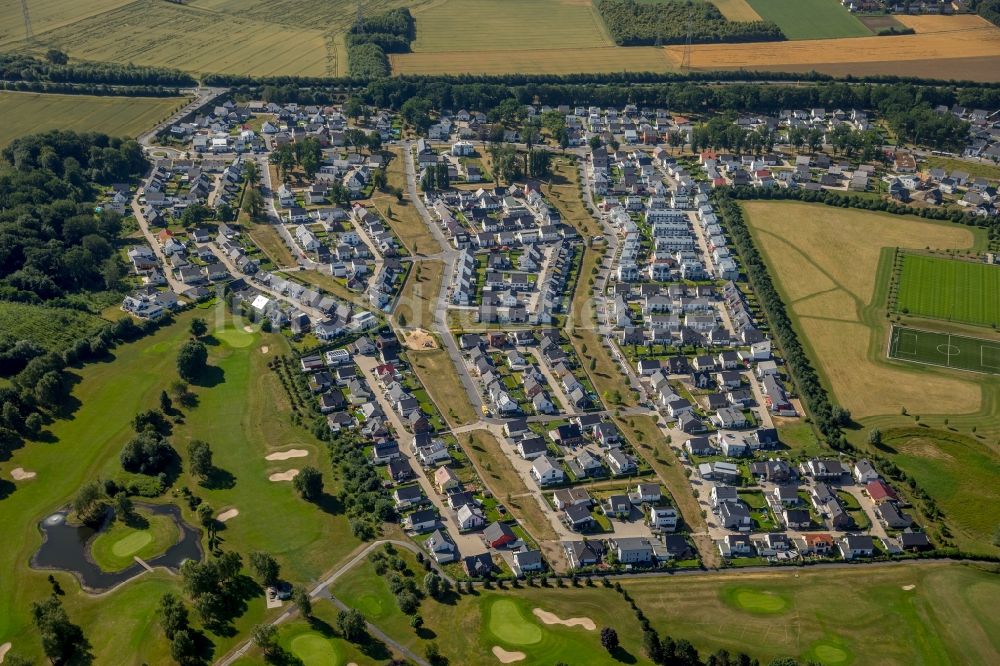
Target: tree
875,437
50,391
265,637
251,173
253,204
199,327
33,424
432,583
192,359
265,567
651,644
124,508
62,641
56,57
353,108
609,639
351,624
199,455
302,601
166,404
90,503
146,453
309,483
173,614
184,648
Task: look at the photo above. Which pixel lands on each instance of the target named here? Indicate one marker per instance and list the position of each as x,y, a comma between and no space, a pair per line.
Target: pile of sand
284,476
551,618
21,474
418,338
909,587
228,514
507,657
248,329
285,455
264,349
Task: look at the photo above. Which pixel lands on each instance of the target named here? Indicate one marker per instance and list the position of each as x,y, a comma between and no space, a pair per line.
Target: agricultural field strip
811,19
536,61
948,289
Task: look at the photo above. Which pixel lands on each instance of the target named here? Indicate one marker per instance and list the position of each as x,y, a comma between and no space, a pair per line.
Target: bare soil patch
418,339
506,656
285,455
21,474
551,618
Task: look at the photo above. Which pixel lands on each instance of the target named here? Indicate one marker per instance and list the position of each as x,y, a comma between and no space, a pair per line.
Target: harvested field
888,55
27,113
476,25
737,10
880,22
49,14
536,61
419,298
924,24
838,304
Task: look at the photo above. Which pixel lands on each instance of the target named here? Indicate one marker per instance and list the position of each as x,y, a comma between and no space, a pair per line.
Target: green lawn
115,548
864,615
944,349
940,288
243,417
811,19
27,113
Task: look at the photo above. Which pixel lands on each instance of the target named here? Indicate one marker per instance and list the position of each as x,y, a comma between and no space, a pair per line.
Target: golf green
755,601
830,653
314,650
129,545
234,337
509,624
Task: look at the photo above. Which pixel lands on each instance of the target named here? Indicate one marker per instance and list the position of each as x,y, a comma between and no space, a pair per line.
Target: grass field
405,221
828,267
536,61
811,19
480,25
836,617
961,472
115,548
950,289
973,168
243,416
53,328
419,297
438,375
267,238
962,47
944,349
27,113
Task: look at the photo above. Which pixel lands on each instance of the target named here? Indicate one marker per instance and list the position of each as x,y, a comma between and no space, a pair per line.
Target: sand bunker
264,349
507,657
21,474
909,587
227,515
284,476
3,650
285,455
551,618
418,338
248,329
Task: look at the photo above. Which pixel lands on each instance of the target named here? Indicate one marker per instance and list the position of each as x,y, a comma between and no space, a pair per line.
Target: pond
66,547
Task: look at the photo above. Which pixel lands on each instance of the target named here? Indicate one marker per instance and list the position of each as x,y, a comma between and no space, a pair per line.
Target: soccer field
945,350
963,291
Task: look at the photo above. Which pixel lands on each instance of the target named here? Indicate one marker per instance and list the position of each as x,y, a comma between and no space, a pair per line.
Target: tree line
633,23
100,90
18,67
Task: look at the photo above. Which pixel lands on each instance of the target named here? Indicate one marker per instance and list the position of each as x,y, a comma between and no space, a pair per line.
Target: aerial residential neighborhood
480,332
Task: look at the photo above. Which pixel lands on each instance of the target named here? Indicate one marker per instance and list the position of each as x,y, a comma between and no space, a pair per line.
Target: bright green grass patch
944,349
510,626
962,291
53,328
960,473
115,548
831,652
314,650
754,600
811,19
235,337
27,113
